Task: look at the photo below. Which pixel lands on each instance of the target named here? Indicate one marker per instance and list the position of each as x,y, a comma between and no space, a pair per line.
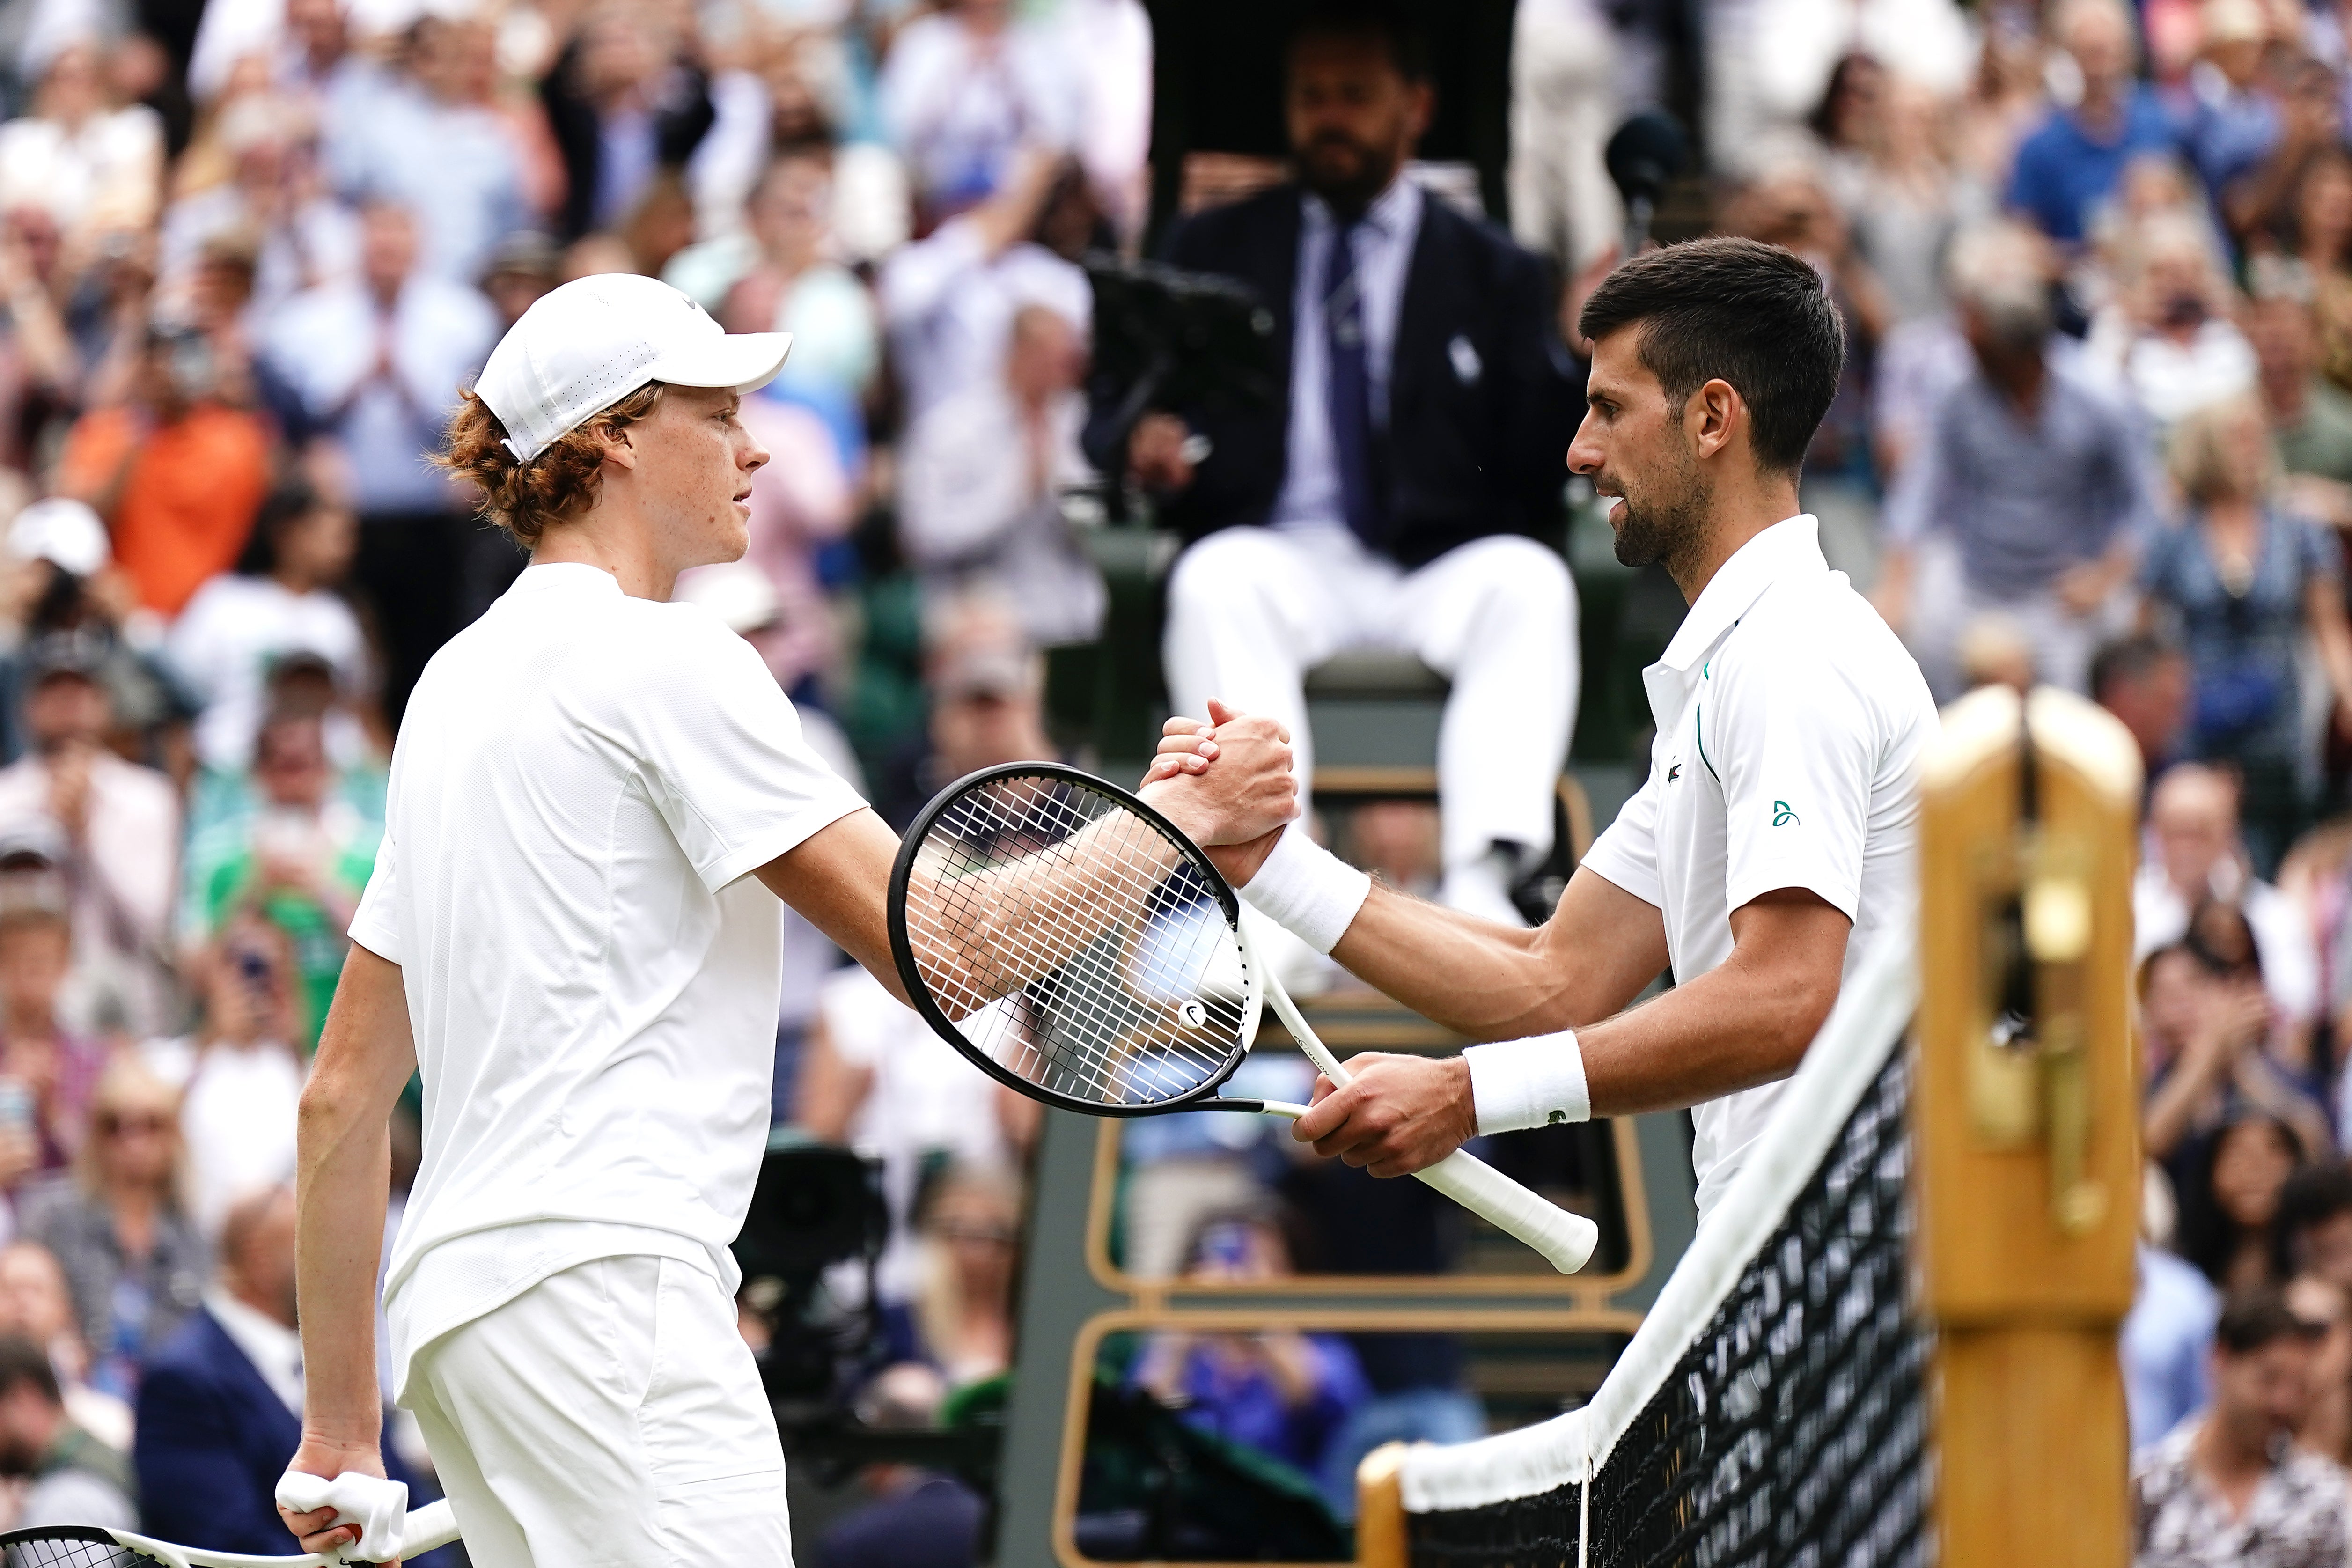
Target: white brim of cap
745,361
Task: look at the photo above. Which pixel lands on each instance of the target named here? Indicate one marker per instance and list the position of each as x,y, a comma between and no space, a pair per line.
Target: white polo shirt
1791,725
582,782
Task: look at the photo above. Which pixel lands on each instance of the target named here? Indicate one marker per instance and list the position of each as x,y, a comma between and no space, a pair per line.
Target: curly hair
524,499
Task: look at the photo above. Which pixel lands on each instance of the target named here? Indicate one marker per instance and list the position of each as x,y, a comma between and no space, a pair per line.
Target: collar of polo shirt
1783,550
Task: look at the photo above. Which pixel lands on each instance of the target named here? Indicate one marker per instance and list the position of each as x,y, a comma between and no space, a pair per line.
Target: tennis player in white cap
573,934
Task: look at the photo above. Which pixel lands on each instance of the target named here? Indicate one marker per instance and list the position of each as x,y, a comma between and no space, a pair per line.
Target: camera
808,1251
1169,339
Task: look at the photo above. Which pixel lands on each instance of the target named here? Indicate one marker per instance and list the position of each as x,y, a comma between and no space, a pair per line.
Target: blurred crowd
2095,263
249,250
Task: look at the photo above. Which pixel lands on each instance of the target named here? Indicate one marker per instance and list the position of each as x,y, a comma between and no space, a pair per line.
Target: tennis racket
1075,945
88,1546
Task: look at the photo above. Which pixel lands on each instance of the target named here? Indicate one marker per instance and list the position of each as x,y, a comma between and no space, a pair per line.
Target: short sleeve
1626,853
725,761
376,925
1796,747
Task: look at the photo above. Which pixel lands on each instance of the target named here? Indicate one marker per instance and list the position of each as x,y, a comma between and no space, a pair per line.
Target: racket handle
1566,1240
434,1524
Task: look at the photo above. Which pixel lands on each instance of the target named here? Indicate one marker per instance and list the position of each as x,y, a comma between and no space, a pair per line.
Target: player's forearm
1485,981
339,1190
1490,982
343,1180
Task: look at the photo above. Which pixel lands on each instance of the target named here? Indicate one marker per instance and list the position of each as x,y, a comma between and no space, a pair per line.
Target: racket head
89,1546
69,1546
1149,1009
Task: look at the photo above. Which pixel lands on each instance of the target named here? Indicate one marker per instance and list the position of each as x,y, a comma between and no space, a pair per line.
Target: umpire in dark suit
1387,497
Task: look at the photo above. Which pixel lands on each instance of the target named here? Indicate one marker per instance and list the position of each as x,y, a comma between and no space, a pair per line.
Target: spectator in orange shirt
177,474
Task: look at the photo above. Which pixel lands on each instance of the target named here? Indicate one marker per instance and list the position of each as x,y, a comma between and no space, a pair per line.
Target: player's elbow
1790,951
1811,995
1782,1006
333,1106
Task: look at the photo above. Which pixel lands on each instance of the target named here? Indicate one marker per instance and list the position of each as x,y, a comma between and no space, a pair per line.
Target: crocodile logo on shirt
1782,815
1673,773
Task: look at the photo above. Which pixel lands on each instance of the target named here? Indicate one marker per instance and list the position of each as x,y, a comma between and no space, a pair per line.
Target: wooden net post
1381,1538
2027,1125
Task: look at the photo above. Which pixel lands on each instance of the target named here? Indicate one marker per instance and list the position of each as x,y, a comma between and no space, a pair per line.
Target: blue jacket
213,1439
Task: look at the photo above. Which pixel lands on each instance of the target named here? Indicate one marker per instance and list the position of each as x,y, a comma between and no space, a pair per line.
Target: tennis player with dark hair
1774,841
573,934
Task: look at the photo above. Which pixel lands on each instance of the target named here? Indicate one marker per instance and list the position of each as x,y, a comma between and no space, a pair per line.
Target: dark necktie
1348,394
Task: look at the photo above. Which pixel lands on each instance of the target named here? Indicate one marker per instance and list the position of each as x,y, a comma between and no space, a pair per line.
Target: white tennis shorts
610,1416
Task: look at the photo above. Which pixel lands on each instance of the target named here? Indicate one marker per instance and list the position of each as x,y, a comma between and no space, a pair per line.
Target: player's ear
1712,415
619,445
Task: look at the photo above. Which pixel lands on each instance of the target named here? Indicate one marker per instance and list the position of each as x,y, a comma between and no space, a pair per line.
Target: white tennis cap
584,347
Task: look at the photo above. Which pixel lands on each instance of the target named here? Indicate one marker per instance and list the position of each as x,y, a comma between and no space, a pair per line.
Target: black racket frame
902,952
65,1537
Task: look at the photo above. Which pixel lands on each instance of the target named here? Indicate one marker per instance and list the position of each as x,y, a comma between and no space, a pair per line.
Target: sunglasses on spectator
113,1124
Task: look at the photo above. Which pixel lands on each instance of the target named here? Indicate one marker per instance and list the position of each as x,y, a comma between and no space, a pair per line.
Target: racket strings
1076,943
67,1548
1100,901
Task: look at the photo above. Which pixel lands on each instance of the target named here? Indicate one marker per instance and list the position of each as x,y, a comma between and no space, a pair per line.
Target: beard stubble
1667,525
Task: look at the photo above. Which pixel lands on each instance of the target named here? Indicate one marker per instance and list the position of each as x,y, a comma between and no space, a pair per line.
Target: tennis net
1771,1408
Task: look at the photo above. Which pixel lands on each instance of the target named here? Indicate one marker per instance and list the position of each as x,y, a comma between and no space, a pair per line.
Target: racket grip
1566,1240
434,1524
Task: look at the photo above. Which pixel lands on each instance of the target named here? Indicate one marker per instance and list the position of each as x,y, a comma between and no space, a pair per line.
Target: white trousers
610,1416
1251,610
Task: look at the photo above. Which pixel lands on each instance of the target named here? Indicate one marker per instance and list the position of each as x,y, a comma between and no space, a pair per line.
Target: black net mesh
1075,942
1792,1430
66,1547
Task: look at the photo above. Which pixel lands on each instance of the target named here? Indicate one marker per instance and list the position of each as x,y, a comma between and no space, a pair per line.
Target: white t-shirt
582,783
1791,725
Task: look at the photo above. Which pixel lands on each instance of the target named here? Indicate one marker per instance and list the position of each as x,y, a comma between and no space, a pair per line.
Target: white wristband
1535,1082
1307,891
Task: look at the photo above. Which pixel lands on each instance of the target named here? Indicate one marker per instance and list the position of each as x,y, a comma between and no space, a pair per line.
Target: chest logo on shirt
1782,815
1673,773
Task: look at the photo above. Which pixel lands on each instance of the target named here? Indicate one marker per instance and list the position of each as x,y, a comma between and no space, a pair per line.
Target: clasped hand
1235,810
1397,1114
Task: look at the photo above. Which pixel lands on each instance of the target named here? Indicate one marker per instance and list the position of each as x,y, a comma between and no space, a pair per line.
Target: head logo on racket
1194,1012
